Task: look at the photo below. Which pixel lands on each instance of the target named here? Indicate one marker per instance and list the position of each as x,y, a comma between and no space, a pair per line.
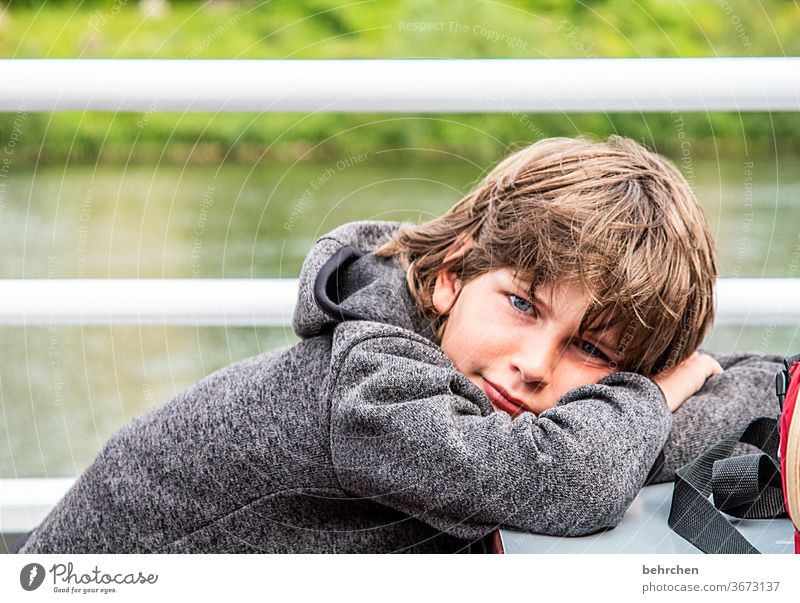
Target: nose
535,358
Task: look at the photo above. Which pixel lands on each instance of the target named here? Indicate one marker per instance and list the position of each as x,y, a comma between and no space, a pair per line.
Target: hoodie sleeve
744,391
408,431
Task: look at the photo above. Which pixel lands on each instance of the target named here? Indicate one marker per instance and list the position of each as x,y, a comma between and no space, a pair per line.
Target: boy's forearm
743,392
407,431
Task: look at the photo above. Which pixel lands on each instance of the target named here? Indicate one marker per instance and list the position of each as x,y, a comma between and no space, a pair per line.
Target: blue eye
523,306
595,351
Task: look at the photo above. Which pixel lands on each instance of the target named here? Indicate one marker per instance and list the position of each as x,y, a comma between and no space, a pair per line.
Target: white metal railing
403,85
231,302
24,502
270,302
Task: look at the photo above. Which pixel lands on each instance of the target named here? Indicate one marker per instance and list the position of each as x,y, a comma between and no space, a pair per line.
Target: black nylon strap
748,486
695,518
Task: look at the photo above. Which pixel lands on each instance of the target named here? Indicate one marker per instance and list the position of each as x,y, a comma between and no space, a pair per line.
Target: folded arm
745,390
411,432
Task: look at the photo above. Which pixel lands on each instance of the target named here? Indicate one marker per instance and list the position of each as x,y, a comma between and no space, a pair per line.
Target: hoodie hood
342,280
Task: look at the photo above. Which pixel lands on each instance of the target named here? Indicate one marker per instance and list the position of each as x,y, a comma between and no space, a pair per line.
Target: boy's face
499,338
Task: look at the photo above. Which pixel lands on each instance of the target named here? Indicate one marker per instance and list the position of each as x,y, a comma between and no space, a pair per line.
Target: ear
448,285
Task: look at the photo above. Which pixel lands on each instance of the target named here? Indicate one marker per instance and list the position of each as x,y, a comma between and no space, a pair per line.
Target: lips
498,396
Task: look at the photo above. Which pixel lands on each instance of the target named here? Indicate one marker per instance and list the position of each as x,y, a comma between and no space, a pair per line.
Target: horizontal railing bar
758,301
402,85
270,302
231,302
24,502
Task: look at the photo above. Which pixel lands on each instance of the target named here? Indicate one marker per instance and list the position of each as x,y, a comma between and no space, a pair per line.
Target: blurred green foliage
327,29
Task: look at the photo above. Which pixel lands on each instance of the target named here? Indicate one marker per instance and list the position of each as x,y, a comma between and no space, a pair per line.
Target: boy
489,368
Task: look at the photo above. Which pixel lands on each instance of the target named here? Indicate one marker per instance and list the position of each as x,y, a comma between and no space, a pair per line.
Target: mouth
501,400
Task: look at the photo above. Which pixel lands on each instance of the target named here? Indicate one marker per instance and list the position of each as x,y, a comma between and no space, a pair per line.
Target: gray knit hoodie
364,437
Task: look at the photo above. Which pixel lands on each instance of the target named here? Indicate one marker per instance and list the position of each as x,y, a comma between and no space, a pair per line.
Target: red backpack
787,385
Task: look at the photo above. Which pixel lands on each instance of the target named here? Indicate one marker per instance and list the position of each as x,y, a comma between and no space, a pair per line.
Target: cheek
458,345
467,346
579,374
476,345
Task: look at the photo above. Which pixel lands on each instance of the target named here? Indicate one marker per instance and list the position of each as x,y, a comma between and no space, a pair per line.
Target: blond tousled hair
611,216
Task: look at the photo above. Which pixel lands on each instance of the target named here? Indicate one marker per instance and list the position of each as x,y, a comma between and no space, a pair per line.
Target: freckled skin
495,333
